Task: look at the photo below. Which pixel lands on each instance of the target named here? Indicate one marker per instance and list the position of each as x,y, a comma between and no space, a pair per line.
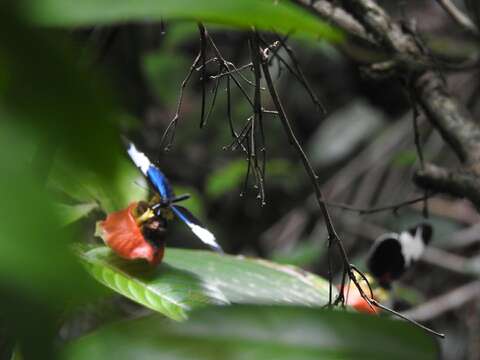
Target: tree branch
458,16
457,183
337,16
409,57
450,118
446,302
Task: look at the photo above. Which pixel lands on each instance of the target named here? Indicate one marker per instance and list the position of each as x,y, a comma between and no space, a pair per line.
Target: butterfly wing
423,231
386,261
160,182
156,177
196,226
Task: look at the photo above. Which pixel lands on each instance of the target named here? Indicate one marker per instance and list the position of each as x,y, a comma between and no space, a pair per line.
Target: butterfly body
394,253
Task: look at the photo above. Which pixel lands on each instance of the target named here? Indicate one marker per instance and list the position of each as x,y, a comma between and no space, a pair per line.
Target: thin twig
419,149
372,302
372,210
230,120
207,62
170,130
258,118
214,99
242,137
226,65
416,134
364,278
203,77
236,70
333,236
400,315
299,74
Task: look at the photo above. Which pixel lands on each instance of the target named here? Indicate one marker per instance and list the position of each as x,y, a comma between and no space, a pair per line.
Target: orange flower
127,235
354,299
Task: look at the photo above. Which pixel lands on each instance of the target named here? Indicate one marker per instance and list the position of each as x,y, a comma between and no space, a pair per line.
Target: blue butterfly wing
160,182
196,227
156,177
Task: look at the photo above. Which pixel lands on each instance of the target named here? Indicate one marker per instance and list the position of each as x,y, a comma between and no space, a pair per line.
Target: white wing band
139,158
203,234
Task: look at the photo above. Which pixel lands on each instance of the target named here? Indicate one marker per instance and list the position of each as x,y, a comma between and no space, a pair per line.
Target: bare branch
338,17
457,183
452,120
454,123
458,16
449,117
446,302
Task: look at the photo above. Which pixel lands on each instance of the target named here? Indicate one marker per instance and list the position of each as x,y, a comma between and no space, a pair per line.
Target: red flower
126,237
354,299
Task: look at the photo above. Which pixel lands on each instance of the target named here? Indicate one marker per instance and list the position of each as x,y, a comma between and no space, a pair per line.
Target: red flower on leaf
129,239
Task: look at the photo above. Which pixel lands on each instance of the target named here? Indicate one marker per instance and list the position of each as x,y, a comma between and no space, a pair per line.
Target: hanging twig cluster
250,139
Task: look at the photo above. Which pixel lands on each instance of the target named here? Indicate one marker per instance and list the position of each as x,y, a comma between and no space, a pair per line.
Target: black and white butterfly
393,253
167,202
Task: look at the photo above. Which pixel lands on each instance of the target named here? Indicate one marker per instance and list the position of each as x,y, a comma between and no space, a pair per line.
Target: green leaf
282,16
188,279
86,186
257,332
73,213
165,68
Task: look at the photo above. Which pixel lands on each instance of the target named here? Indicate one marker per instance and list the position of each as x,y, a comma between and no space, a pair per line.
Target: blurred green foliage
282,16
73,213
79,185
226,179
252,332
164,71
405,158
49,105
304,254
232,176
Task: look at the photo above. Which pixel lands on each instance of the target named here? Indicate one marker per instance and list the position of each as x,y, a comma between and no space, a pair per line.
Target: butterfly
394,253
167,200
